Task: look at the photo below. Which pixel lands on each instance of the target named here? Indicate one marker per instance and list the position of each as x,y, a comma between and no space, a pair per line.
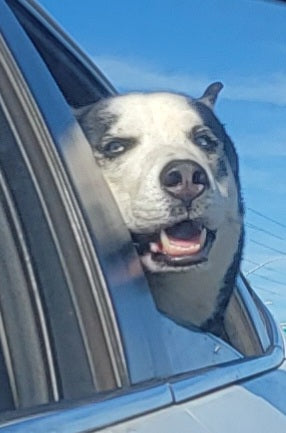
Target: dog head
173,171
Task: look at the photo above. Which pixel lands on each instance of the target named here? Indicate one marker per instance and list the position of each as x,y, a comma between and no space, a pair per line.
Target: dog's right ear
211,93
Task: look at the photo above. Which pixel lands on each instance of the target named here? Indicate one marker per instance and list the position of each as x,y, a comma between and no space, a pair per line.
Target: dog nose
184,180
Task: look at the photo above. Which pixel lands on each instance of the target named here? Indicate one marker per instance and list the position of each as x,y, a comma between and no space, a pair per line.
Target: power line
266,246
269,279
273,235
266,217
268,268
269,233
264,264
272,292
251,261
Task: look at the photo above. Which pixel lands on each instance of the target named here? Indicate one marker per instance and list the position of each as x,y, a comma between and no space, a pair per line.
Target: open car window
84,83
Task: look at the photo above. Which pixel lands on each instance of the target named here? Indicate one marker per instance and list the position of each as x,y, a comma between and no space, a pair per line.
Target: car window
54,343
153,346
46,42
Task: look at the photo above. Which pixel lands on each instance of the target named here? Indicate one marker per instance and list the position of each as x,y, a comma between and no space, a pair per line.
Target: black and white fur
134,137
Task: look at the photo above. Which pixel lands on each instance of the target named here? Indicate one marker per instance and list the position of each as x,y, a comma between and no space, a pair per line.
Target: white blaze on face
161,124
163,114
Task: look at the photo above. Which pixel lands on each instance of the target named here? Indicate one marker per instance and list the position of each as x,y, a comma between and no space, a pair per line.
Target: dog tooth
203,237
164,239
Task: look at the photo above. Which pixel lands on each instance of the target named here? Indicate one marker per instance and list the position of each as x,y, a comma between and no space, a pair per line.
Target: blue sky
184,45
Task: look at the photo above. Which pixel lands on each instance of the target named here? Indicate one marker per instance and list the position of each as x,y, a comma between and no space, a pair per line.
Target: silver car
82,345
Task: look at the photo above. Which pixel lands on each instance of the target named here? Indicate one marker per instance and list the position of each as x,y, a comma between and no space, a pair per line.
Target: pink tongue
178,247
185,243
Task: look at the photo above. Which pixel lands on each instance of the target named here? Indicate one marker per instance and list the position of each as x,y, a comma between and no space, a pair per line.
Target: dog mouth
182,244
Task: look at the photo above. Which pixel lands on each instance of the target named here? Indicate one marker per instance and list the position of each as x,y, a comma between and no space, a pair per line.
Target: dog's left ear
211,93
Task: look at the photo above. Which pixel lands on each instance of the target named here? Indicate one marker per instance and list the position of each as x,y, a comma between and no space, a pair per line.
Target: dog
174,174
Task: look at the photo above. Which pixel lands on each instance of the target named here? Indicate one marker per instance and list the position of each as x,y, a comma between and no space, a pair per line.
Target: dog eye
205,142
114,148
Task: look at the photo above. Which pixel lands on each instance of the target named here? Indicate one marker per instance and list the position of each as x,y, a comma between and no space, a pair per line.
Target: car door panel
234,409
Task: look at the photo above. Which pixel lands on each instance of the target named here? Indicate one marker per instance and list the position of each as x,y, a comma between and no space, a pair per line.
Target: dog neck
199,296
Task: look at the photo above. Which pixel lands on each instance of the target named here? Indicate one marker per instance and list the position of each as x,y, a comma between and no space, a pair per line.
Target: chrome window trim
227,374
93,416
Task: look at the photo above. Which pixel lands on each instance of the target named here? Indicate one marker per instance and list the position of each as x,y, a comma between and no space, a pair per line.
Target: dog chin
152,266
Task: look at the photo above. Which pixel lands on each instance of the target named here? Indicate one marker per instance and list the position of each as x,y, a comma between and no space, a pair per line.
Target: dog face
172,170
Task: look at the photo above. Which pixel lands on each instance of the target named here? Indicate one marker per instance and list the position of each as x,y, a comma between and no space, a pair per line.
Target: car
82,346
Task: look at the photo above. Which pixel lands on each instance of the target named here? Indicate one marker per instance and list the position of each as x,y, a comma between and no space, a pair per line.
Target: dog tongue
175,247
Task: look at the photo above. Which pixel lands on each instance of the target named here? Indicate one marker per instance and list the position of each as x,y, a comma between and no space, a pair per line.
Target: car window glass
45,343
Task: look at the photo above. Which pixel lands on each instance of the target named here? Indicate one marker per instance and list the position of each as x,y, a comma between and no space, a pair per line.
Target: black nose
184,180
